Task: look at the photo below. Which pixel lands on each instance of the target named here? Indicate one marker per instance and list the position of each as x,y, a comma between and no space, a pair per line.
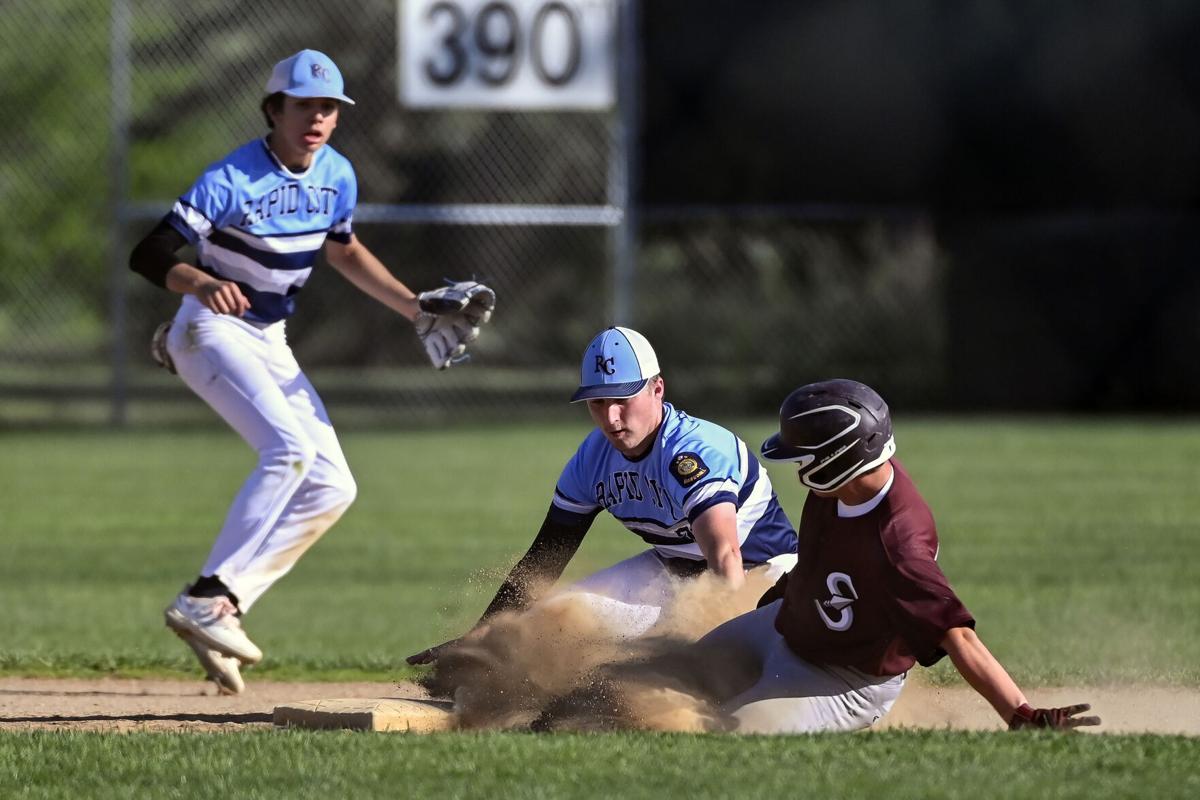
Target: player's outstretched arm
987,676
367,273
716,533
542,564
446,319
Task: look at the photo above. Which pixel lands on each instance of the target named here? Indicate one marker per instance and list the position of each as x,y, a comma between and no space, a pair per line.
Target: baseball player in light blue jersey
258,218
687,487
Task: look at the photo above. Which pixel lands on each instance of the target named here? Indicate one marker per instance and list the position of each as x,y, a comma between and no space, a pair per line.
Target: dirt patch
1122,709
115,705
112,704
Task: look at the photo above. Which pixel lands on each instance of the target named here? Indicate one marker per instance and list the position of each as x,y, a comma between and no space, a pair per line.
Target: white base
364,714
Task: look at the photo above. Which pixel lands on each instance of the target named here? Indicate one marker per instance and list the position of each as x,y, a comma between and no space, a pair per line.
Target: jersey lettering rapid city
286,200
627,485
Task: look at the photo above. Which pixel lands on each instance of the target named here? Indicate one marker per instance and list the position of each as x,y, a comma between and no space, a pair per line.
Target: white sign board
518,54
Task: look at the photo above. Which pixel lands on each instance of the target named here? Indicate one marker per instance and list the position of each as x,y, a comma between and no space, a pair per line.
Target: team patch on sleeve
688,468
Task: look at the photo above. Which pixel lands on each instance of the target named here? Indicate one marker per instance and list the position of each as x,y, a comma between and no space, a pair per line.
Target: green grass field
1074,542
336,765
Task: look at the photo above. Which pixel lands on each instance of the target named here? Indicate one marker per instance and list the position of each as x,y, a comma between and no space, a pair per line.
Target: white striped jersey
255,222
692,466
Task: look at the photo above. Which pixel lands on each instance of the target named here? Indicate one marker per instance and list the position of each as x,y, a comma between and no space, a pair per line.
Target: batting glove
1058,718
445,338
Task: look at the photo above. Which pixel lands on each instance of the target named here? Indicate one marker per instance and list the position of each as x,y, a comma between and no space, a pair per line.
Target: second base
365,714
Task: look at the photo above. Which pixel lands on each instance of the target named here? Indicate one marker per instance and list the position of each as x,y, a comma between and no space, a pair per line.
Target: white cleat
213,622
222,670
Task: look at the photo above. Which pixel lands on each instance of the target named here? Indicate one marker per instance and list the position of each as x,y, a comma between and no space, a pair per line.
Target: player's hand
223,297
431,655
445,338
1058,718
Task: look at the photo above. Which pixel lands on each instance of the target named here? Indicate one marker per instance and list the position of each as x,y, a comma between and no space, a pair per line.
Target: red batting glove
1057,718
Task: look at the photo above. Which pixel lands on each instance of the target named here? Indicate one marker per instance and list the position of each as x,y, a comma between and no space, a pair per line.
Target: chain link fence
739,307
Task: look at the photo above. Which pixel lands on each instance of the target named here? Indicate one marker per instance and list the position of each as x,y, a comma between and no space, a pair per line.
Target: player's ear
272,107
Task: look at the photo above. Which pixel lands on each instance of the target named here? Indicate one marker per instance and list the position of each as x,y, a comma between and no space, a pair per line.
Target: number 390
497,40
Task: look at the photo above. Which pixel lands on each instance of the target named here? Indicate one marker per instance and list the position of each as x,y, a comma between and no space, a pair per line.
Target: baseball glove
472,299
450,318
1058,718
158,348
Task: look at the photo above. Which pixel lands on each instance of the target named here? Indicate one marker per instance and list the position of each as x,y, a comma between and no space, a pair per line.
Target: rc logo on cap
309,73
617,364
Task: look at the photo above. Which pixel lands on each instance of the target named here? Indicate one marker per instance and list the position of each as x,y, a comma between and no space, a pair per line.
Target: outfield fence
532,202
123,103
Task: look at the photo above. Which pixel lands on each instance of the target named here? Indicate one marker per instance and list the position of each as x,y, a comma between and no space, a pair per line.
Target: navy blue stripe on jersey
267,303
302,259
264,306
770,536
268,306
640,520
687,498
751,479
636,525
709,502
651,538
284,235
267,258
340,238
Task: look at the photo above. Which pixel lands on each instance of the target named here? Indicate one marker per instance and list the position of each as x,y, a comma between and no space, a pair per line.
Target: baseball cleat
213,622
222,670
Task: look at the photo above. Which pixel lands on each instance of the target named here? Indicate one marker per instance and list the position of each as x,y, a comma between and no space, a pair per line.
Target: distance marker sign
507,54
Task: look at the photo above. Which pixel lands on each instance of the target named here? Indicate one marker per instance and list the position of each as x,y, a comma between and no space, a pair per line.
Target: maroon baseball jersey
867,591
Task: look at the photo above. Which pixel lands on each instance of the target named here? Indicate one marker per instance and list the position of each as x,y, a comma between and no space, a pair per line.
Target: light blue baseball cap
309,73
617,364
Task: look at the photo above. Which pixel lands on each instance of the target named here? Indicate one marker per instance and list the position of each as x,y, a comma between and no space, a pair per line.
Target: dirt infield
112,704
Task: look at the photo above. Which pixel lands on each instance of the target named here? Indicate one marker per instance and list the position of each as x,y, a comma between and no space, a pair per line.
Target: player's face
302,127
629,424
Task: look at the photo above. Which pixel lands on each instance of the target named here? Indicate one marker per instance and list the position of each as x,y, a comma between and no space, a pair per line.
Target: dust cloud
560,666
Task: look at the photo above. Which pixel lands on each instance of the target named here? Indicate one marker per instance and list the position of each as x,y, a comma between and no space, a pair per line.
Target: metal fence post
119,111
623,166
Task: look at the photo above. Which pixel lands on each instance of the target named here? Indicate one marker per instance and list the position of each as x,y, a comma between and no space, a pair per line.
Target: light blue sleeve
573,493
343,218
704,469
208,204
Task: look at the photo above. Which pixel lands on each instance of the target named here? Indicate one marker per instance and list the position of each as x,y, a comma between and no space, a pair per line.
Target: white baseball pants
792,695
301,484
631,595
